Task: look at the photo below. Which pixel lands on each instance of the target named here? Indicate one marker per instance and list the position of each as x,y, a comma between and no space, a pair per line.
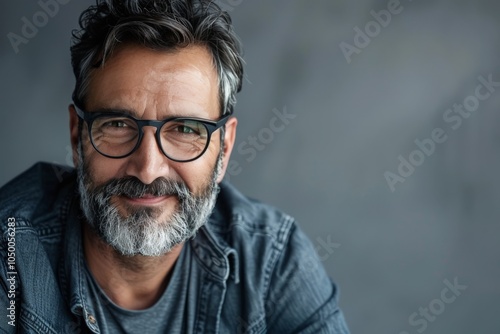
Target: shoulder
278,265
237,216
259,234
36,195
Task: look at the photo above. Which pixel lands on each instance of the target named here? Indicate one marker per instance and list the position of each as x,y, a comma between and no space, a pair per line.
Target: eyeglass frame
210,125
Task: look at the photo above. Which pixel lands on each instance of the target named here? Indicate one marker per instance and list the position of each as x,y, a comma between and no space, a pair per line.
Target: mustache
132,187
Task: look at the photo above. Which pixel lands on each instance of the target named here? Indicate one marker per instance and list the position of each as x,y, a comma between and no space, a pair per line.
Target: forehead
160,82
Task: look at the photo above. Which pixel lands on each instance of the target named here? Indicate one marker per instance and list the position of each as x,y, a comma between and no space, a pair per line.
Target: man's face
146,203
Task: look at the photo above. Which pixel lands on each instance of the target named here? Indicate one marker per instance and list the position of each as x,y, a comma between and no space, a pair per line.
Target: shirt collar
214,255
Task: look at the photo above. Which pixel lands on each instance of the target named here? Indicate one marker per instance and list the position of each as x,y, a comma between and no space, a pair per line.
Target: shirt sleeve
301,297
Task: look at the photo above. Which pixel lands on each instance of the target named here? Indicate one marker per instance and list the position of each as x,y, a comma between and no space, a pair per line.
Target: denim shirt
255,270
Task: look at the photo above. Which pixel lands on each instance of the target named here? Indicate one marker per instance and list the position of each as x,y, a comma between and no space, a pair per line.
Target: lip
147,200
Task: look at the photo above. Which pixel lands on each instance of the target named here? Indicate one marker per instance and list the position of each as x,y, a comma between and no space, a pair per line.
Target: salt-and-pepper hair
167,25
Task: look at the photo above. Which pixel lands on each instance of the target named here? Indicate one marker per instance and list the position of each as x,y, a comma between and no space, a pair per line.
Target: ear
73,131
229,138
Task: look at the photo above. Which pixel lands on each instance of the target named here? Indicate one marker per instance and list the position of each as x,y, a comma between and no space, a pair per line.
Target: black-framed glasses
118,135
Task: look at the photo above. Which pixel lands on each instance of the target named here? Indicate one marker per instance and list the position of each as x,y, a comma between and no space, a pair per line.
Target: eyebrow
134,114
116,111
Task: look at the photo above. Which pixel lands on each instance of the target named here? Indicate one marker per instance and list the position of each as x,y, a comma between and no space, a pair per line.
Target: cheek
194,175
197,174
100,168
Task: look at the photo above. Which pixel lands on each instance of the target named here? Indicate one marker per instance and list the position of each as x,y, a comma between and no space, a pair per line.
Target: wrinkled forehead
138,78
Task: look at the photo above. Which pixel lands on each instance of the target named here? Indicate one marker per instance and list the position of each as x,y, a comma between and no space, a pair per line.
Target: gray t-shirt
167,315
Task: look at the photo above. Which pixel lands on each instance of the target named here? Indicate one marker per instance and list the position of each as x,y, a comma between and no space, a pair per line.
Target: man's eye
116,124
185,129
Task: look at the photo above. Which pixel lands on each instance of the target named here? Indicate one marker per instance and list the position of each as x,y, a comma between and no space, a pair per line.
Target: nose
148,162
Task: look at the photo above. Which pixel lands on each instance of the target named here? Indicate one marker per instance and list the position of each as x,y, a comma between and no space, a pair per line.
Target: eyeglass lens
181,139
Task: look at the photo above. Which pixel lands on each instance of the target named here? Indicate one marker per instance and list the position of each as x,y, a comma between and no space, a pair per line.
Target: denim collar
214,255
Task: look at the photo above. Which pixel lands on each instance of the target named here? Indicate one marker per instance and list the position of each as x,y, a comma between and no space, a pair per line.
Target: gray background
393,249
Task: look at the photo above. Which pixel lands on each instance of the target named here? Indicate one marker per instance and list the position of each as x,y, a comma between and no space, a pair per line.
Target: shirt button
91,319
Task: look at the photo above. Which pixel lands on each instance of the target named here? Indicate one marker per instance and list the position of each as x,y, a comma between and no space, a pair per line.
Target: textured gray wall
390,251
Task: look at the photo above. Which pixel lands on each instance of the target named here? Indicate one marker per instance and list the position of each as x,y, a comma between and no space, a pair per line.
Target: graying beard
141,233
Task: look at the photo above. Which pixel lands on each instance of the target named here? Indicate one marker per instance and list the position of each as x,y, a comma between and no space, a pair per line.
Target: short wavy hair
158,25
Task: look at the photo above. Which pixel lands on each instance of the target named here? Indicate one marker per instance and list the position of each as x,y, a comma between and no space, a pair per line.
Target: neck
131,282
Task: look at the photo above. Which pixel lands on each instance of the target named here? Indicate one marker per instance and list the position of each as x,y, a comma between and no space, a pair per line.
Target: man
143,236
